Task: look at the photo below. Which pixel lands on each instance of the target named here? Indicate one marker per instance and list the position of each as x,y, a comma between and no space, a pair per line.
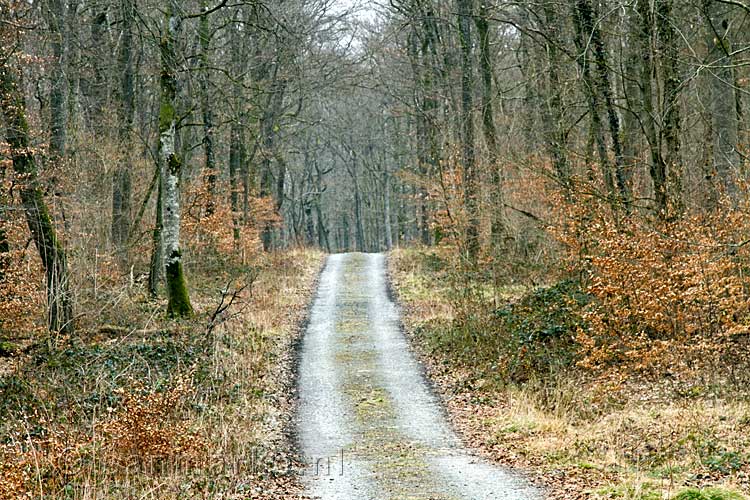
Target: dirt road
370,428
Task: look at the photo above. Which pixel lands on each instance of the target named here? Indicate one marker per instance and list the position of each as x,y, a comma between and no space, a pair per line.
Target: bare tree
171,164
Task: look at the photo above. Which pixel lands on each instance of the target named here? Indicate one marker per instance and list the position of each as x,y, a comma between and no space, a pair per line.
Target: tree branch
736,3
205,13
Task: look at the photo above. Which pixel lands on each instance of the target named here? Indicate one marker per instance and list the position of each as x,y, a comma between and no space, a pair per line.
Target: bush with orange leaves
22,294
14,472
658,287
212,229
147,430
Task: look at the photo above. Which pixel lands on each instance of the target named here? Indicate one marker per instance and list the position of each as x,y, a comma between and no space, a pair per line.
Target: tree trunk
38,218
97,89
387,209
346,233
499,226
121,186
204,36
177,291
309,224
590,90
425,110
280,181
590,29
237,153
671,115
529,58
59,83
323,238
403,215
266,187
658,167
267,141
359,228
468,154
235,158
553,107
723,99
632,120
156,265
237,135
58,96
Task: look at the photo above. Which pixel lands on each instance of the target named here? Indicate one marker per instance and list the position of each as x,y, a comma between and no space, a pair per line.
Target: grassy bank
511,372
136,406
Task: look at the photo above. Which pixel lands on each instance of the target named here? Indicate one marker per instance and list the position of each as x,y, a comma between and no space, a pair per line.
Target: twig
525,212
228,298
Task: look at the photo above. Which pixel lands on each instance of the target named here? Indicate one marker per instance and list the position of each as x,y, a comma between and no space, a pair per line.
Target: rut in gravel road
369,427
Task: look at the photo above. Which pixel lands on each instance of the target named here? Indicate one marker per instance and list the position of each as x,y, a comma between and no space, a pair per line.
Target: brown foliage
147,428
145,432
21,284
14,473
213,232
658,285
40,465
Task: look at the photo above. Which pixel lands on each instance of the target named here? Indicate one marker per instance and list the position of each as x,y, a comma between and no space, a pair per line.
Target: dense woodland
150,144
181,130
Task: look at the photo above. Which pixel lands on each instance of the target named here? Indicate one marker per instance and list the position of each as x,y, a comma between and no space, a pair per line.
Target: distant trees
498,227
615,92
204,39
724,104
468,156
121,179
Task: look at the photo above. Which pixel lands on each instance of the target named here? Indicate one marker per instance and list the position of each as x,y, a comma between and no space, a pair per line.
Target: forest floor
137,406
370,427
676,432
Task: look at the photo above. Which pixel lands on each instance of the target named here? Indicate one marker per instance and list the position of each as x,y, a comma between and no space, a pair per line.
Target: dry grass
585,434
148,408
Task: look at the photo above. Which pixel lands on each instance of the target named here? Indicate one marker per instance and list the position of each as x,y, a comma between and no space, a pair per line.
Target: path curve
369,427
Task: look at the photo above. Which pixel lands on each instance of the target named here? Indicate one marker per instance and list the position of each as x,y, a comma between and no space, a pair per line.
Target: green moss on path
400,465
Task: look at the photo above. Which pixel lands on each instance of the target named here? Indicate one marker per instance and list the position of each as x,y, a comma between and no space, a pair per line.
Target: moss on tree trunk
179,301
177,292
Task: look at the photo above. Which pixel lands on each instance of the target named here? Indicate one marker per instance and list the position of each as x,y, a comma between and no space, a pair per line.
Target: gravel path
370,428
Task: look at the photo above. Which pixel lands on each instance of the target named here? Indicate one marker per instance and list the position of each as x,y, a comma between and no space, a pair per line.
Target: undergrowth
137,406
523,388
510,341
707,494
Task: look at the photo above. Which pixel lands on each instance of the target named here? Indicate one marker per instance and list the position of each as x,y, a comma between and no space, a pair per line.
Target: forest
558,187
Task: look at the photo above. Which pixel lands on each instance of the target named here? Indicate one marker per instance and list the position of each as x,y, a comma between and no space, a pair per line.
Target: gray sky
364,9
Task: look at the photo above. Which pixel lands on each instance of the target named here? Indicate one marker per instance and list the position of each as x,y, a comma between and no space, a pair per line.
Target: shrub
658,286
21,294
218,238
14,473
530,337
147,428
540,329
